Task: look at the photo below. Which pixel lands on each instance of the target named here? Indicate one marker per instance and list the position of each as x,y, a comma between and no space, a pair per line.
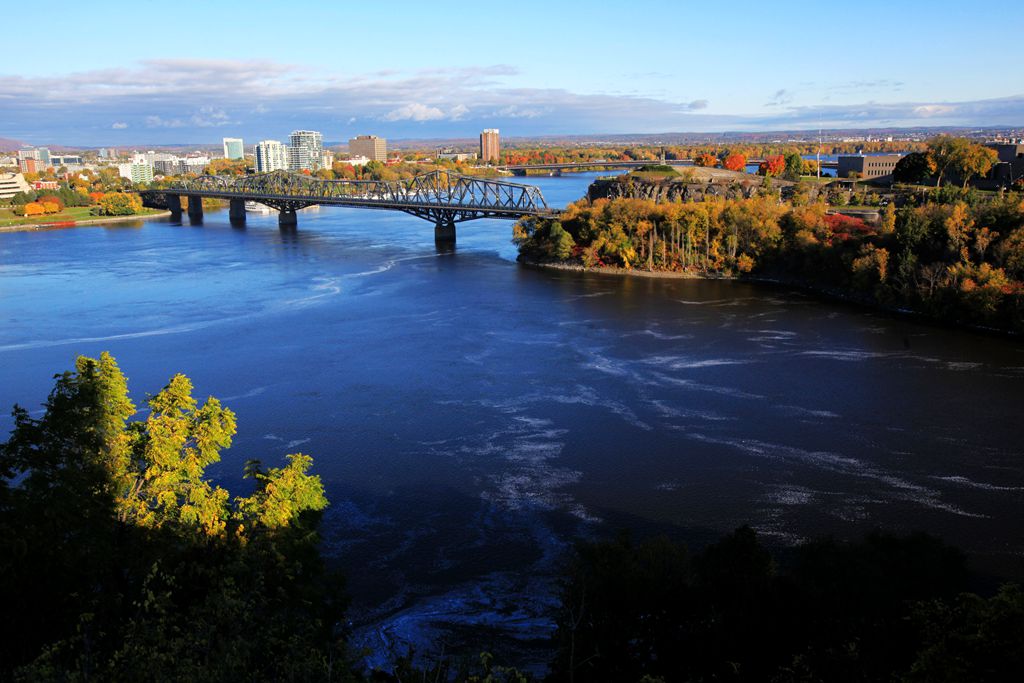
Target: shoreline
824,294
31,227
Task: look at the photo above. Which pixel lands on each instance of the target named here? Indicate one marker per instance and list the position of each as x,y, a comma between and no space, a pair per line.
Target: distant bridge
521,169
440,197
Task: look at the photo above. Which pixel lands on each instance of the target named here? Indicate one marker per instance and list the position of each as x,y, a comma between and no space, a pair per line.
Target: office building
453,155
874,167
369,146
271,155
305,150
489,145
66,160
171,166
11,184
233,148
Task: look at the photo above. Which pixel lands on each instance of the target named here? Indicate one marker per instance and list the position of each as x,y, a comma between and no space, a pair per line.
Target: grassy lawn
71,213
823,180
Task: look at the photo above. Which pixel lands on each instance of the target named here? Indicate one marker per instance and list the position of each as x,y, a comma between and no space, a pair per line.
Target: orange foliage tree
735,162
51,199
706,159
772,166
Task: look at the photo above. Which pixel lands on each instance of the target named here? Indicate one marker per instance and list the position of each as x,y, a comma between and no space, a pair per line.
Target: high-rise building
369,146
233,148
136,172
305,150
271,155
489,145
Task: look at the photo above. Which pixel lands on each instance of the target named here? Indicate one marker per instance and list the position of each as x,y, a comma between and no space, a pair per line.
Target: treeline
579,154
883,609
53,202
957,256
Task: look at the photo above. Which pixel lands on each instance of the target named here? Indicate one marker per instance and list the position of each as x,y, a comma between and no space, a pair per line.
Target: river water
470,416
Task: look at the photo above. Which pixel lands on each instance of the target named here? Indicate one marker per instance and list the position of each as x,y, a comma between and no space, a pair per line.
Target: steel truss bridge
440,197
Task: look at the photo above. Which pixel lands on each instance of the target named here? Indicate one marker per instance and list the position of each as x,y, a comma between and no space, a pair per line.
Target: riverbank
74,224
823,293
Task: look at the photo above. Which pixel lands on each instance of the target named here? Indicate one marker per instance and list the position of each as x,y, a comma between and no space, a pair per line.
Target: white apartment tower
305,150
271,155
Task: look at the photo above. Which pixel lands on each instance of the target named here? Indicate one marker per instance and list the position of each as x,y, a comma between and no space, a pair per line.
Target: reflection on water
470,416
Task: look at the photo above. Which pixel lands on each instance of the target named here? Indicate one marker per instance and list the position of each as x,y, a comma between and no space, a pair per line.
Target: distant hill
8,145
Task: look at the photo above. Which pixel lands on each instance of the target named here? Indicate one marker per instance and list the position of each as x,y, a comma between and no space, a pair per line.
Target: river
470,416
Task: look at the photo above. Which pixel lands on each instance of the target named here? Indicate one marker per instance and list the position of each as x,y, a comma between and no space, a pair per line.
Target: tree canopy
126,558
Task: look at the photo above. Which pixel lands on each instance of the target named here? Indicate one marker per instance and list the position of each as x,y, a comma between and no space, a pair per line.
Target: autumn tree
772,165
33,209
51,199
735,162
122,555
706,159
119,204
975,160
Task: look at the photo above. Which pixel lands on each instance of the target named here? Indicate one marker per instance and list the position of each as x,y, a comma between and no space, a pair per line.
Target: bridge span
440,197
570,166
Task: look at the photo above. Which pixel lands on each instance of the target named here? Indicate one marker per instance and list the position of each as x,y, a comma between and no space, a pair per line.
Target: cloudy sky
106,73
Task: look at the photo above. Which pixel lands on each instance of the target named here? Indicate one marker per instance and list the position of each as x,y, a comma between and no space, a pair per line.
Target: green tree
912,168
794,166
124,558
971,638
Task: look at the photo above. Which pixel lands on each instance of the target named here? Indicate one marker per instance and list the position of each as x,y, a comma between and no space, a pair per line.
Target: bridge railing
437,188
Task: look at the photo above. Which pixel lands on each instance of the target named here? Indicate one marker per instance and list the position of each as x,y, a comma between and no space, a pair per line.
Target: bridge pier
444,232
174,206
236,211
287,219
195,210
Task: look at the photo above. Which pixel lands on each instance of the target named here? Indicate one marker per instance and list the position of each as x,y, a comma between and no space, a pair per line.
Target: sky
108,73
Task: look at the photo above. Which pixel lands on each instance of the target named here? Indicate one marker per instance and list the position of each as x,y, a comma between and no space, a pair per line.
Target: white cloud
414,112
929,110
159,122
178,99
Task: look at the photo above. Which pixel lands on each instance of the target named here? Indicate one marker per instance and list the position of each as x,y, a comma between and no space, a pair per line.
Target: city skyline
777,67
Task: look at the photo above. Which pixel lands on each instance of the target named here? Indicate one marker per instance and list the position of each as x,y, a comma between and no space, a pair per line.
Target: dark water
469,416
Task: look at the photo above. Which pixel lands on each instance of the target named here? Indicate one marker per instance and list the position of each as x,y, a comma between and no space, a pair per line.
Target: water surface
470,416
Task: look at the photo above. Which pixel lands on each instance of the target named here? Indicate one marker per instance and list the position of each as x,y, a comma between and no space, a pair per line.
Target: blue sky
107,73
